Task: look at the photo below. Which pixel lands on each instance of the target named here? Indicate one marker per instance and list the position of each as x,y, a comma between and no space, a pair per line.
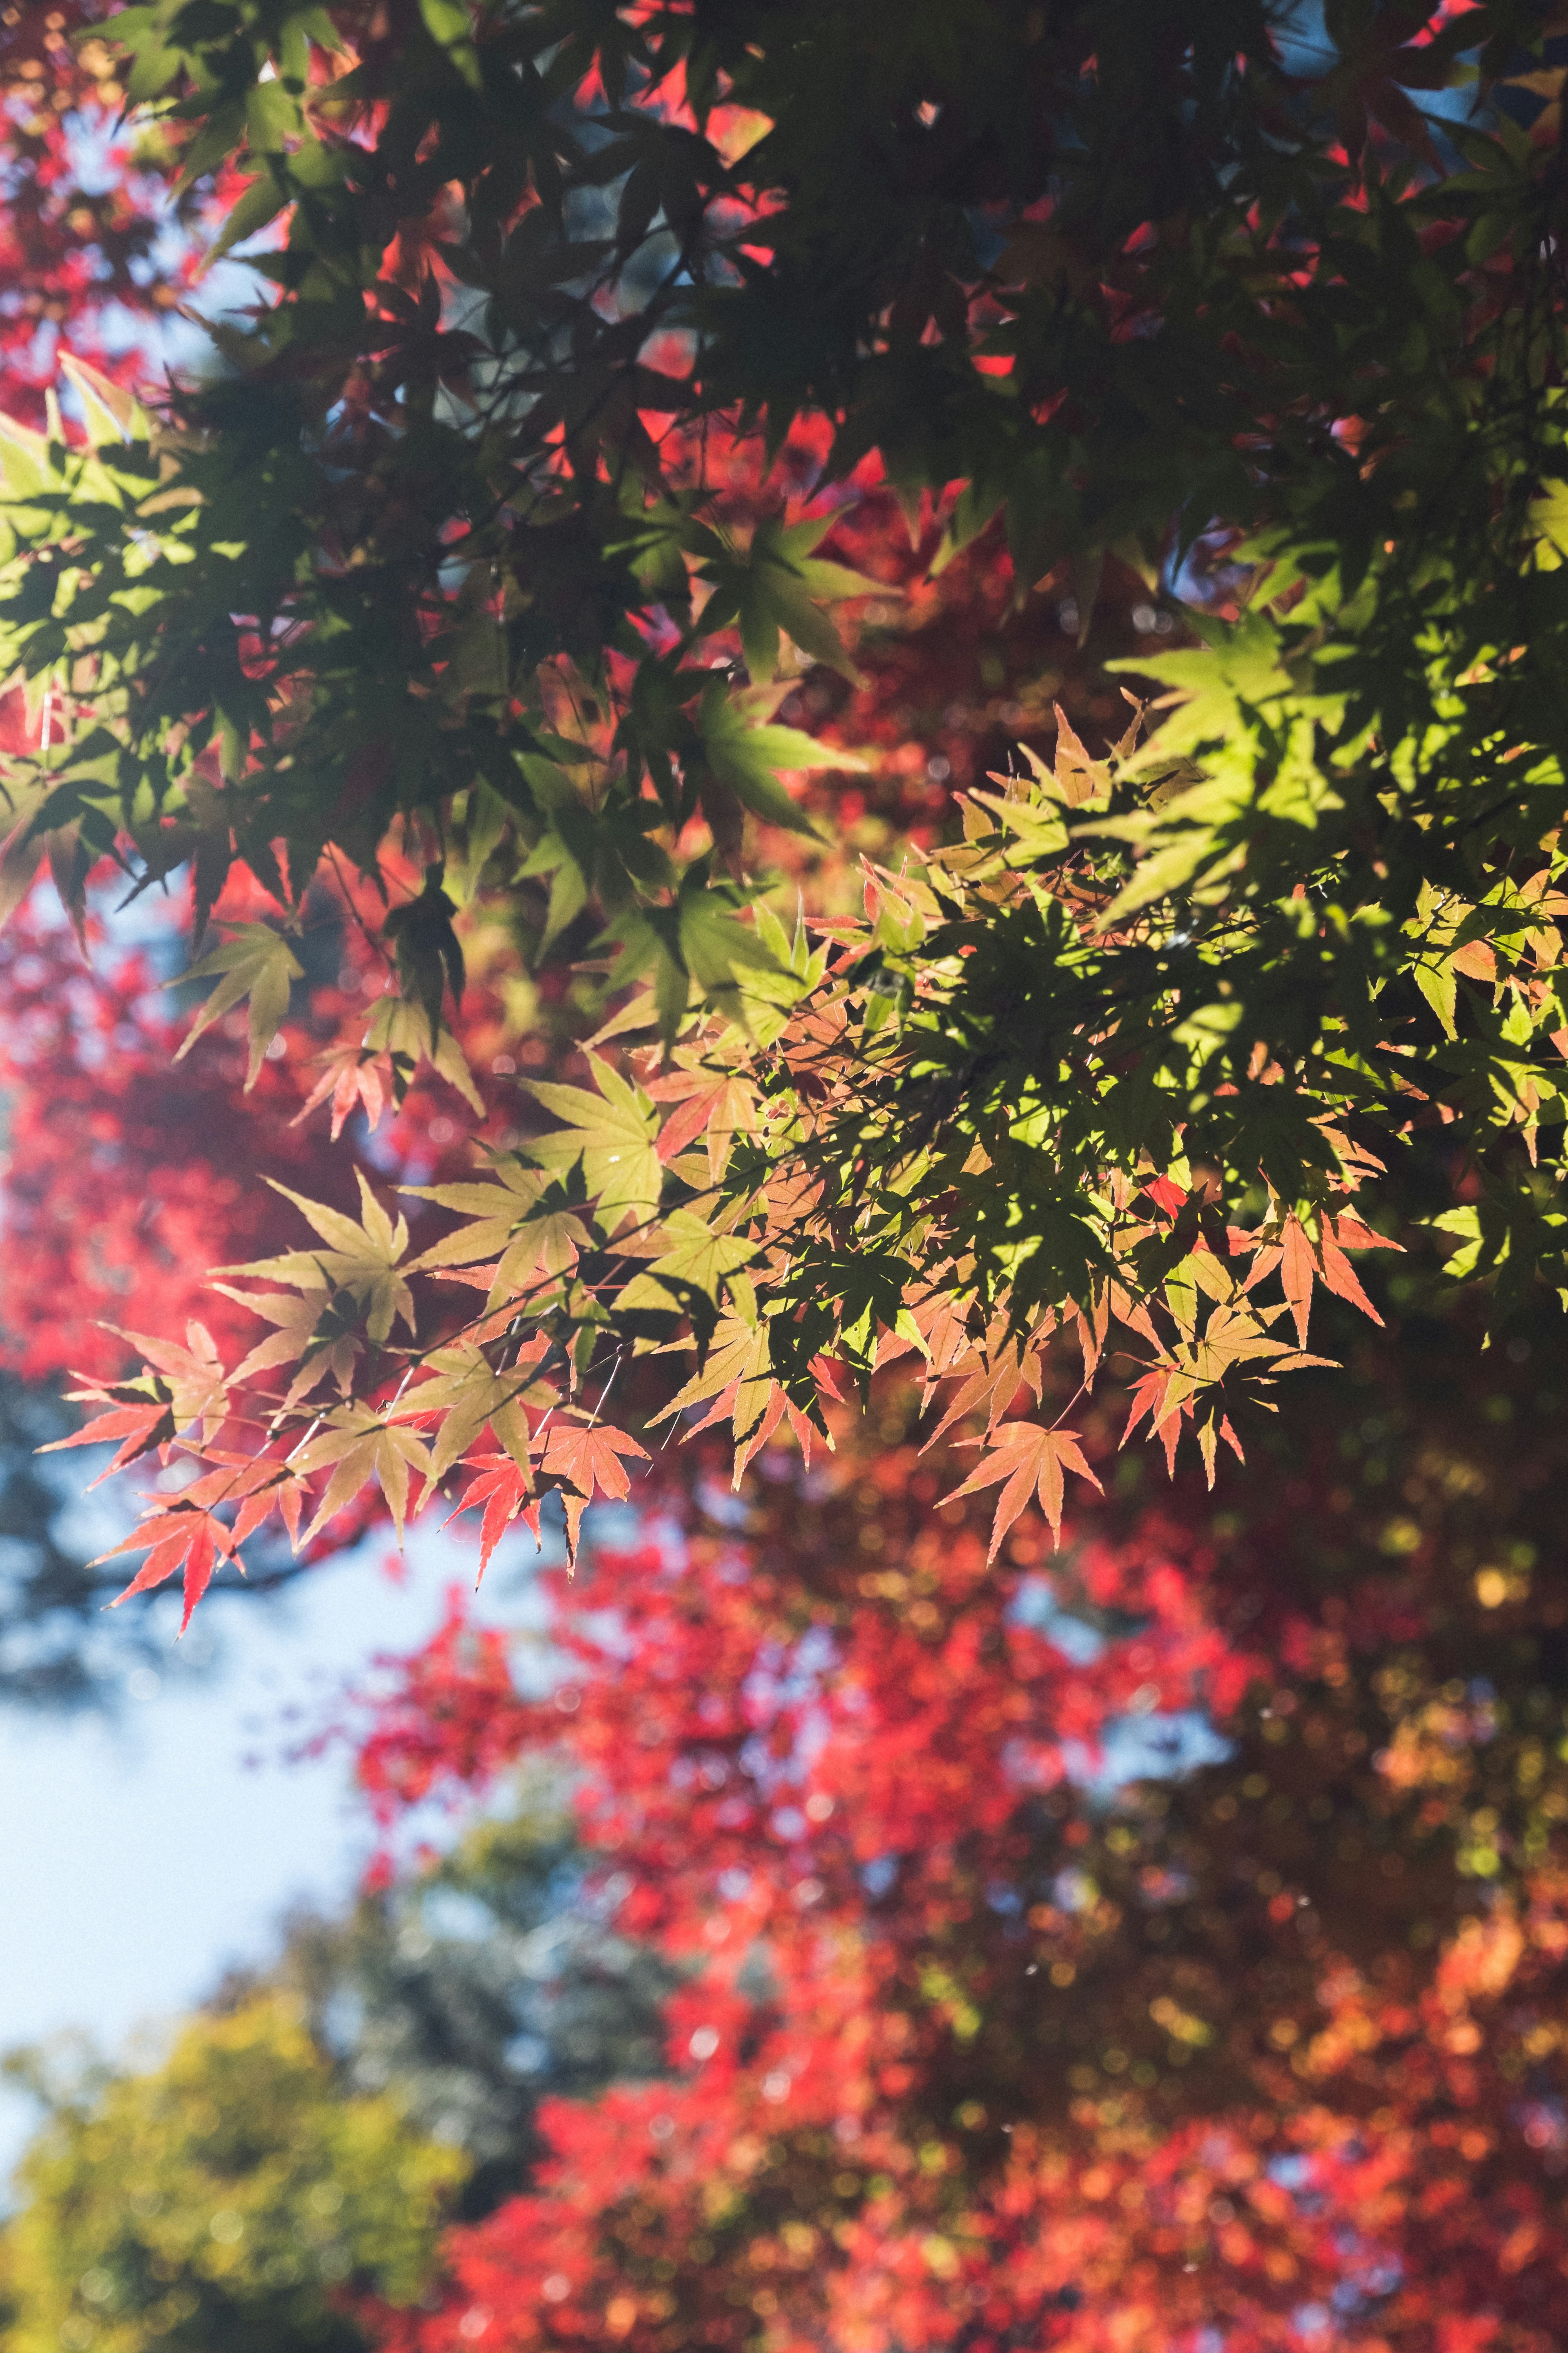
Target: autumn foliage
1151,1941
612,513
975,2048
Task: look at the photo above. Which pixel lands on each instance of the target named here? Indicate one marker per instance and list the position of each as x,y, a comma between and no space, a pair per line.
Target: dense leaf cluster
232,2190
435,601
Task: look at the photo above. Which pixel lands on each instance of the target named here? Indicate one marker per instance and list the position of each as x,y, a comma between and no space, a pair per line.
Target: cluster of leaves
232,2192
425,599
122,1184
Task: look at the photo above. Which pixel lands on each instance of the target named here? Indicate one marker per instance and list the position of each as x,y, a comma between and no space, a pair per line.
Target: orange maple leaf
1027,1457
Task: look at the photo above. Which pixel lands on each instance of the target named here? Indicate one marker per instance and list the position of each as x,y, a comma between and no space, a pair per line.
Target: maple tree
545,518
1252,2048
966,2046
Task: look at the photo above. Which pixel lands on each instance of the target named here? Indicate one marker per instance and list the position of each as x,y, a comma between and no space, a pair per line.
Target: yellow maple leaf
359,1445
364,1260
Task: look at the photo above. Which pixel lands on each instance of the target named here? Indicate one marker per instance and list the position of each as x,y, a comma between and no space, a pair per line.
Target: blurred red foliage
977,2049
97,250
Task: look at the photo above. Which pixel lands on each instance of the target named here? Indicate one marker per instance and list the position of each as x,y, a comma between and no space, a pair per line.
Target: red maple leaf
185,1538
504,1490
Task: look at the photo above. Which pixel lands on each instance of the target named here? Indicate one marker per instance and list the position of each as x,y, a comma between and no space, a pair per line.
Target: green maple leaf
746,753
701,940
257,962
304,1337
359,1446
507,1225
780,586
698,1256
363,1260
468,1392
398,1028
615,1135
739,1358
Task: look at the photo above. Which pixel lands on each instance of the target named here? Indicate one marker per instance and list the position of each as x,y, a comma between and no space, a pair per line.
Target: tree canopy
1155,1943
488,585
232,2191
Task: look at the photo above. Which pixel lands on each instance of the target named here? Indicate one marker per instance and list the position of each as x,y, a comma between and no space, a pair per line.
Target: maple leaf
992,1384
590,1457
257,963
467,1392
504,1489
260,1484
194,1384
139,1427
182,1536
22,850
1300,1261
1381,62
943,1322
506,1226
736,1375
697,1255
1340,1276
1027,1458
359,1445
351,1075
1297,1269
399,1031
613,1134
429,957
700,941
309,1335
778,587
396,1041
780,1407
362,1260
714,1112
1164,1394
746,751
1233,1336
1168,1389
1210,1433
